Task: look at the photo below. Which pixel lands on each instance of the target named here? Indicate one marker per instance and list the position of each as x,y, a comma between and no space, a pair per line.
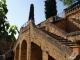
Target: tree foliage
31,13
6,31
68,2
50,8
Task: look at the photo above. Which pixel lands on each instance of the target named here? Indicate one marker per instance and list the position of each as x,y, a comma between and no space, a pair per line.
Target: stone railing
53,41
51,19
24,27
73,33
72,9
58,16
73,36
45,21
25,24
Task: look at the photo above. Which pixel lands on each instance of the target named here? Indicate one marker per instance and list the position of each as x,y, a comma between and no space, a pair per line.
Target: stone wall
61,24
55,30
44,22
51,42
72,25
73,9
48,45
58,28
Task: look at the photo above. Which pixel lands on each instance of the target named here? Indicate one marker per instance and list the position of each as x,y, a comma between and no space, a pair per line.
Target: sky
19,11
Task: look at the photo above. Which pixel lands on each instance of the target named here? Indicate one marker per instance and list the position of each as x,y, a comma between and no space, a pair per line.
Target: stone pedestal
76,49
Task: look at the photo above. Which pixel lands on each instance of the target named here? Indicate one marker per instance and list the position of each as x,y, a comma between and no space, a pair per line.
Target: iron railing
25,24
59,16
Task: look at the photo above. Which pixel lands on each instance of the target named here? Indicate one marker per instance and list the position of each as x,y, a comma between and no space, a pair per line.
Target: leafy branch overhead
6,31
68,2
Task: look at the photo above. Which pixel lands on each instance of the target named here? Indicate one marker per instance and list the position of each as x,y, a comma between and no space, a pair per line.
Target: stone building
49,40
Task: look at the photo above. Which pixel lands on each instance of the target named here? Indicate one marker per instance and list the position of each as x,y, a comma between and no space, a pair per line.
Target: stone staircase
60,39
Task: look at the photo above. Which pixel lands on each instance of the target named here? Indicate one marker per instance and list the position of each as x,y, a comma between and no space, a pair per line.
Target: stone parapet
72,9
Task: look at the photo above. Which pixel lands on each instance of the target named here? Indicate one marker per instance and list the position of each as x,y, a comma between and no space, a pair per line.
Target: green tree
6,31
31,13
68,2
50,8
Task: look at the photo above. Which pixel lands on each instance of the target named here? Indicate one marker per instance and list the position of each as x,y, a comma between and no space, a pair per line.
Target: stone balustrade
72,9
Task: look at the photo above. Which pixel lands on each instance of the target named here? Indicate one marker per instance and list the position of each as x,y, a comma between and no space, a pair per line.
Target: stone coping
73,33
75,46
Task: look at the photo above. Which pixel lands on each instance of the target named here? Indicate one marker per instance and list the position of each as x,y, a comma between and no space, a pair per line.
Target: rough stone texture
61,24
73,26
54,29
47,44
44,22
75,8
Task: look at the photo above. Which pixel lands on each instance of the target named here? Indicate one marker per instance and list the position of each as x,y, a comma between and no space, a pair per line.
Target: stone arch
36,52
17,53
50,57
24,50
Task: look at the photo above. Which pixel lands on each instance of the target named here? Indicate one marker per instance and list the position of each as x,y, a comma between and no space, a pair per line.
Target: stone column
44,55
64,13
20,51
28,50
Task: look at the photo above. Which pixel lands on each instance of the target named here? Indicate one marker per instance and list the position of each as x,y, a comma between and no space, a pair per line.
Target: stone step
60,39
67,42
64,41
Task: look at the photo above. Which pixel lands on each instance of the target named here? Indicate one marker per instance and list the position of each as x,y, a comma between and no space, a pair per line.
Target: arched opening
36,52
50,58
24,50
17,53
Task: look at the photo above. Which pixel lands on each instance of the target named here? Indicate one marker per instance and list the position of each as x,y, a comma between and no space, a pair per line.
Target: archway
24,50
50,58
17,53
36,52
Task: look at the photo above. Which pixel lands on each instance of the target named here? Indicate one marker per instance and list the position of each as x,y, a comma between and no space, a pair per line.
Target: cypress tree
31,13
50,8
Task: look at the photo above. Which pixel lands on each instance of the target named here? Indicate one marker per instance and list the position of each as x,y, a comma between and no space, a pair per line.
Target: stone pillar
64,13
28,50
20,51
44,55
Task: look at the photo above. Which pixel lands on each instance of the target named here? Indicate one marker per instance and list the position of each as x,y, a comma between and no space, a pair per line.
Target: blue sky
19,11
